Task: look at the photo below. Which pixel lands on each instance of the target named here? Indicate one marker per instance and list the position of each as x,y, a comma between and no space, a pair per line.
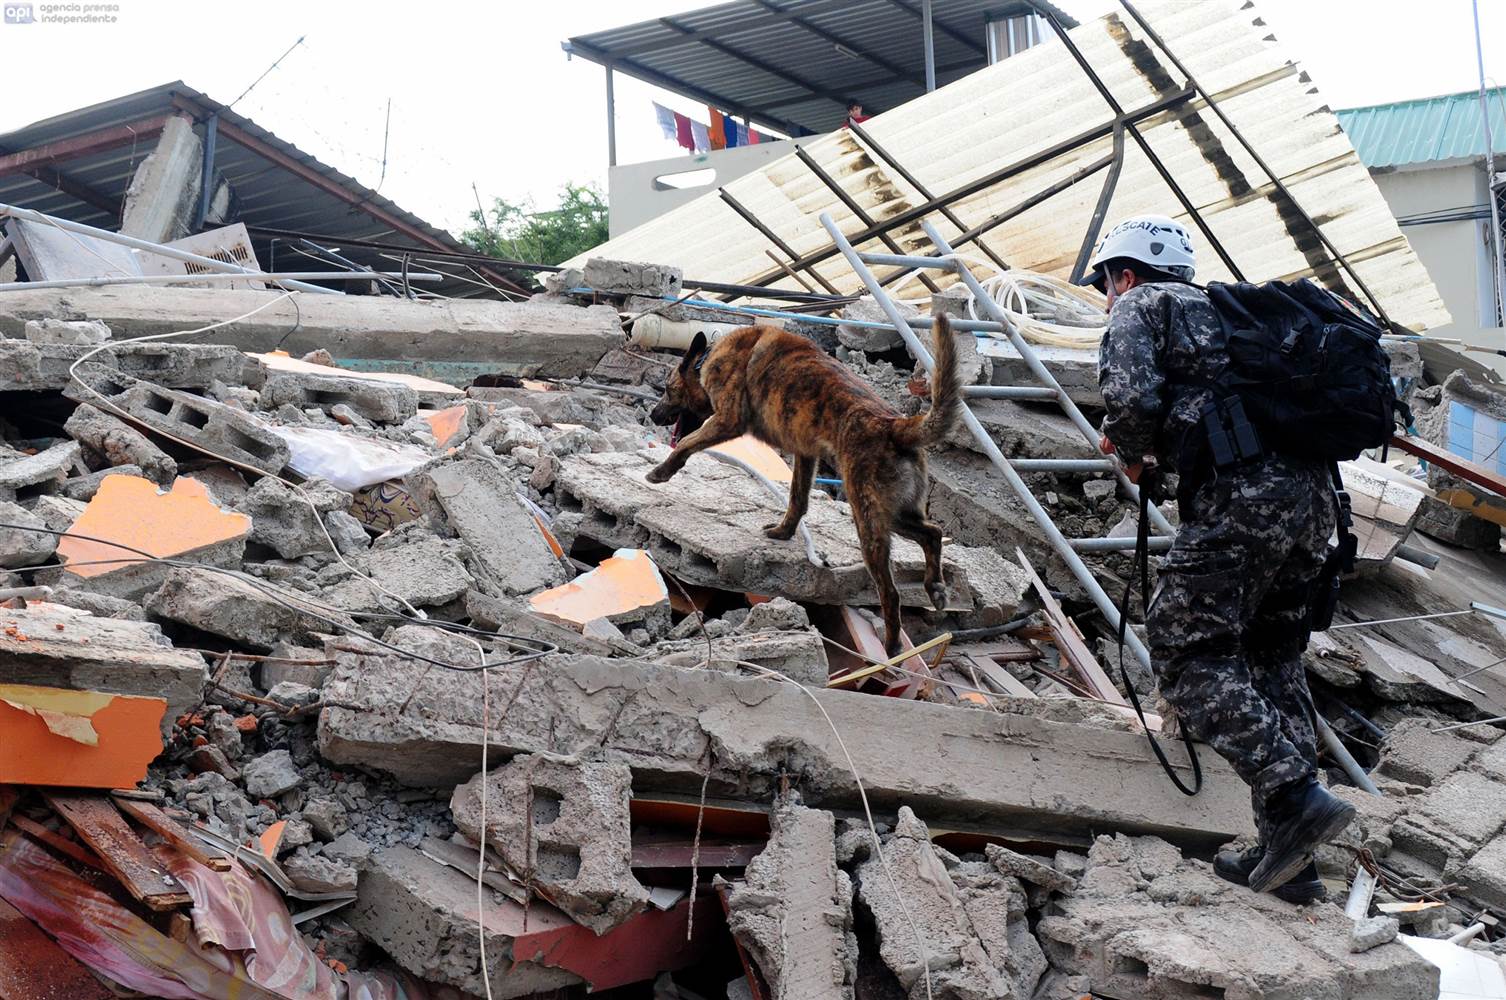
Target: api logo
18,13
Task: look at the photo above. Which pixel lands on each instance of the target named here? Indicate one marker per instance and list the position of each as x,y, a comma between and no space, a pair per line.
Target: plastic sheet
346,461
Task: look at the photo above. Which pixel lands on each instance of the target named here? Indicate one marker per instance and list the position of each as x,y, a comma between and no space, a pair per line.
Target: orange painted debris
81,739
444,424
757,454
246,723
625,581
135,512
554,543
271,837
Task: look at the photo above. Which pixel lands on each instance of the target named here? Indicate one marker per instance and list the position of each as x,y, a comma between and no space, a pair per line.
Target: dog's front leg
713,432
800,498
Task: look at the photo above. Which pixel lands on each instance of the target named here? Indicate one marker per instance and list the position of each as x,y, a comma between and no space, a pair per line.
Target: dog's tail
927,428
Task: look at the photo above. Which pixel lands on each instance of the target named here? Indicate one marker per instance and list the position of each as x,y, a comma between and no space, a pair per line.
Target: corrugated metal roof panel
1421,131
1033,101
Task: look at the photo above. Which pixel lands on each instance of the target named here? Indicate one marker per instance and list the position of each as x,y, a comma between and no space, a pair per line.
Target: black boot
1306,815
1303,888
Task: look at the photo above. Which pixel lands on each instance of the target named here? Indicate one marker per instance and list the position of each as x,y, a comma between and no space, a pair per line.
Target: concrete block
219,429
57,512
164,191
23,476
62,331
447,340
966,767
1453,820
800,656
117,443
386,403
182,522
1484,874
290,521
270,775
1026,868
563,823
53,645
480,503
792,912
1075,369
1415,754
19,546
1372,932
424,570
257,617
1146,923
625,277
705,527
32,367
868,339
928,902
1457,526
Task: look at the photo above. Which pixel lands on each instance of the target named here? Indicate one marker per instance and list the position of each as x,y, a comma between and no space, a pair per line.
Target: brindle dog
787,392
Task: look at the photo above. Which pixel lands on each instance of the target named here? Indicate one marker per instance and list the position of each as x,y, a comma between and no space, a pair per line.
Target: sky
482,95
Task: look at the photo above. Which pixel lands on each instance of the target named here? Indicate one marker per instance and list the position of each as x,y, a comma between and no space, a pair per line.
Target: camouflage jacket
1161,337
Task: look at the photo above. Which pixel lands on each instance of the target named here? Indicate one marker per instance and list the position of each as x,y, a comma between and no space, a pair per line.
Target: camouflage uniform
1226,622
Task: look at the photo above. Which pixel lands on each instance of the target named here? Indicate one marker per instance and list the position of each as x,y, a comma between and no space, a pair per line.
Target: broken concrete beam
289,521
118,443
423,570
56,646
1075,369
31,367
792,912
23,545
385,403
214,427
800,656
258,616
23,476
423,914
705,527
183,522
160,201
868,339
626,277
565,828
474,497
968,767
1145,923
62,331
1458,526
439,340
913,895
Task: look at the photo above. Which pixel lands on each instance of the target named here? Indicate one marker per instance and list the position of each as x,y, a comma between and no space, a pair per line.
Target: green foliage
542,236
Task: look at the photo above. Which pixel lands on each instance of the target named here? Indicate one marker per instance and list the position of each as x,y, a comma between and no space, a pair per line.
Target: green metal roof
1426,130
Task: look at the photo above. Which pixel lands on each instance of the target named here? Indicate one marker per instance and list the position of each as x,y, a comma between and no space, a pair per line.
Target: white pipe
1468,934
1343,756
280,277
654,332
13,212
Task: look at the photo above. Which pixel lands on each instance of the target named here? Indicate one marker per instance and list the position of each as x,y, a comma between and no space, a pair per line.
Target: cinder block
388,403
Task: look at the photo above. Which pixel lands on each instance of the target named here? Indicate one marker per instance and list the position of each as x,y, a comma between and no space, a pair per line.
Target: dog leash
1149,480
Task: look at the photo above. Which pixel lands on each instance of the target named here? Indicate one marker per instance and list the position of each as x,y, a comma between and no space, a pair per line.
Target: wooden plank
1006,682
32,965
96,821
1069,640
1447,460
56,841
157,821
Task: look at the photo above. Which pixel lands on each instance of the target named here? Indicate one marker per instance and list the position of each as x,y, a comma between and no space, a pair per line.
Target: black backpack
1307,370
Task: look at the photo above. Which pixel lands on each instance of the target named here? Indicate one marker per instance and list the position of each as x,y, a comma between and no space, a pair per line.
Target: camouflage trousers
1226,624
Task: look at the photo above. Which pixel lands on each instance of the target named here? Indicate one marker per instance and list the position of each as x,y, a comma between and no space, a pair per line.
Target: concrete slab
113,442
249,615
424,570
52,645
29,367
382,402
25,476
705,527
1076,370
968,767
432,339
792,912
1145,923
1453,820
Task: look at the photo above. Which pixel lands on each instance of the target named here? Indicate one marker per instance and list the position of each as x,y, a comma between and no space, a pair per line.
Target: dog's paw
659,474
778,531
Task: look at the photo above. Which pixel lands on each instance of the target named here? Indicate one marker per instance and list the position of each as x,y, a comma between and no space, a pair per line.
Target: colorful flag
683,134
701,136
754,137
735,134
718,130
666,119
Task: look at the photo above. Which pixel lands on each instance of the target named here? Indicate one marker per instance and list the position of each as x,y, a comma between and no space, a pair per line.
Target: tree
548,236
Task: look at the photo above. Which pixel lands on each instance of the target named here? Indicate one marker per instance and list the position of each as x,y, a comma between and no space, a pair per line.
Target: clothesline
724,132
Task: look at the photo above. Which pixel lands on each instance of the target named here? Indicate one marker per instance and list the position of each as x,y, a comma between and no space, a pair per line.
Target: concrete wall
1455,253
635,194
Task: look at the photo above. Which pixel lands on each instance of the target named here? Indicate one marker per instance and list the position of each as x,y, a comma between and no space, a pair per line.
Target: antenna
264,73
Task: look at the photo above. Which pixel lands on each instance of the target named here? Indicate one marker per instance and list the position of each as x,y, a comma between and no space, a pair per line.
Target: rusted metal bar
1095,224
774,238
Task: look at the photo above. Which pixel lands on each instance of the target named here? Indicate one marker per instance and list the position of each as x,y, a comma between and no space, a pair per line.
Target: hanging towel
702,137
755,137
734,134
683,135
666,119
718,130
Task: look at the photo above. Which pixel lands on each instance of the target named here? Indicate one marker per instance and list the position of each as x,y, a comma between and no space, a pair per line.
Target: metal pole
611,122
13,212
930,44
1048,527
206,174
1499,271
774,238
1095,224
1089,433
1343,756
279,277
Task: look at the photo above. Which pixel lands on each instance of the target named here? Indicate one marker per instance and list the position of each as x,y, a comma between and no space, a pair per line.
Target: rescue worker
1228,620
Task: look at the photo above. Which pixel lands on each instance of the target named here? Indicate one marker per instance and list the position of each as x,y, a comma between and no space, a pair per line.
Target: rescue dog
788,393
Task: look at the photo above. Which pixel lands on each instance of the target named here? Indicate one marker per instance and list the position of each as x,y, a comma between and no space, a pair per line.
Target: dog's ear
695,353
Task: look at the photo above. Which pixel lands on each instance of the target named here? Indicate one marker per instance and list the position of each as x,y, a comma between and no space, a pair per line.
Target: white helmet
1153,240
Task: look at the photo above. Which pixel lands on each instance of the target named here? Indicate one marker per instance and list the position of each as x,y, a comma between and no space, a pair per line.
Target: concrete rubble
342,579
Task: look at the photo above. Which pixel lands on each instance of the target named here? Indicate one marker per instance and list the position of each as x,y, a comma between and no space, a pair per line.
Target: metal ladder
1049,389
